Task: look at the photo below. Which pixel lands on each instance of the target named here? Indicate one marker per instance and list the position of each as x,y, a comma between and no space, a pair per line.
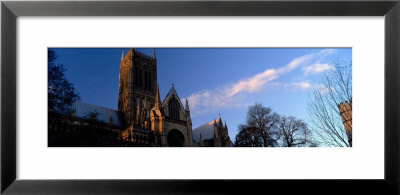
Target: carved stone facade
345,110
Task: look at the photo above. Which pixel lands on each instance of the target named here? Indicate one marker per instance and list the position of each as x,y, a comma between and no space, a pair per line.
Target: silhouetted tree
248,137
260,129
325,120
294,132
61,93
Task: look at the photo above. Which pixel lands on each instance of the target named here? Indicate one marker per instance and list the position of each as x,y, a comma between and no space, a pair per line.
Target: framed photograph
199,97
143,113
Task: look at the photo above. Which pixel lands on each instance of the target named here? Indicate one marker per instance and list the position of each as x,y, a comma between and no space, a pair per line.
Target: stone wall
68,131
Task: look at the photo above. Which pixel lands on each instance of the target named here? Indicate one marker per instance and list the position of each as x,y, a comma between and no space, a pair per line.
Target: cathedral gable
172,94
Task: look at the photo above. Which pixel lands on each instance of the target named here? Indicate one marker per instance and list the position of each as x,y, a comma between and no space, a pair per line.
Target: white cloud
230,95
300,85
316,68
252,84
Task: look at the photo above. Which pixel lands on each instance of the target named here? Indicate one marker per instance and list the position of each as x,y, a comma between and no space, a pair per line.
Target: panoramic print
199,97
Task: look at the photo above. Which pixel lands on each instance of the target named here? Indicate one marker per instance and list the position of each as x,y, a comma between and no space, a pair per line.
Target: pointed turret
123,52
217,132
219,119
226,130
157,99
187,106
187,110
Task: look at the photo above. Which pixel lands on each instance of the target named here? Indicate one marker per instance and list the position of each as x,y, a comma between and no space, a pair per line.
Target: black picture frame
10,10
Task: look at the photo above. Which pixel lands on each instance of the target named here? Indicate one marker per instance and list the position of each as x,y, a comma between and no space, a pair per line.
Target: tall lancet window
146,80
140,78
173,107
150,83
137,77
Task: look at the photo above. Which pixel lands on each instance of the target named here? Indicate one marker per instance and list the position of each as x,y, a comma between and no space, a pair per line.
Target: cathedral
165,123
142,118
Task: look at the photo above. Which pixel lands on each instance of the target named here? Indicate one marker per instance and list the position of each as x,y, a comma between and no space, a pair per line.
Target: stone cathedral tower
137,86
148,120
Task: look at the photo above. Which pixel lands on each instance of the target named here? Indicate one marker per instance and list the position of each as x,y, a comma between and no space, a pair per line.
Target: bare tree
61,93
248,137
294,132
325,120
260,128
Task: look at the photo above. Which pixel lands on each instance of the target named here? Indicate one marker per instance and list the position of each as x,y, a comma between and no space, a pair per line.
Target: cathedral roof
206,130
83,110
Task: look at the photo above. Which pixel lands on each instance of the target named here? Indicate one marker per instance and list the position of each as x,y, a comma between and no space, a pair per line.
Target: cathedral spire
123,52
219,120
158,101
187,106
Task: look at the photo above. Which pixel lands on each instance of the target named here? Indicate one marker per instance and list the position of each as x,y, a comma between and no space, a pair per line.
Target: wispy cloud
304,85
231,95
316,68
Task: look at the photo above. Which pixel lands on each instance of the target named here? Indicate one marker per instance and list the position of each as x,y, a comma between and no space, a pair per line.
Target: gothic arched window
173,108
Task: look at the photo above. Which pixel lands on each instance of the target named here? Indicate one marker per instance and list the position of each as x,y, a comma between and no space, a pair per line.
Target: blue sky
215,80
